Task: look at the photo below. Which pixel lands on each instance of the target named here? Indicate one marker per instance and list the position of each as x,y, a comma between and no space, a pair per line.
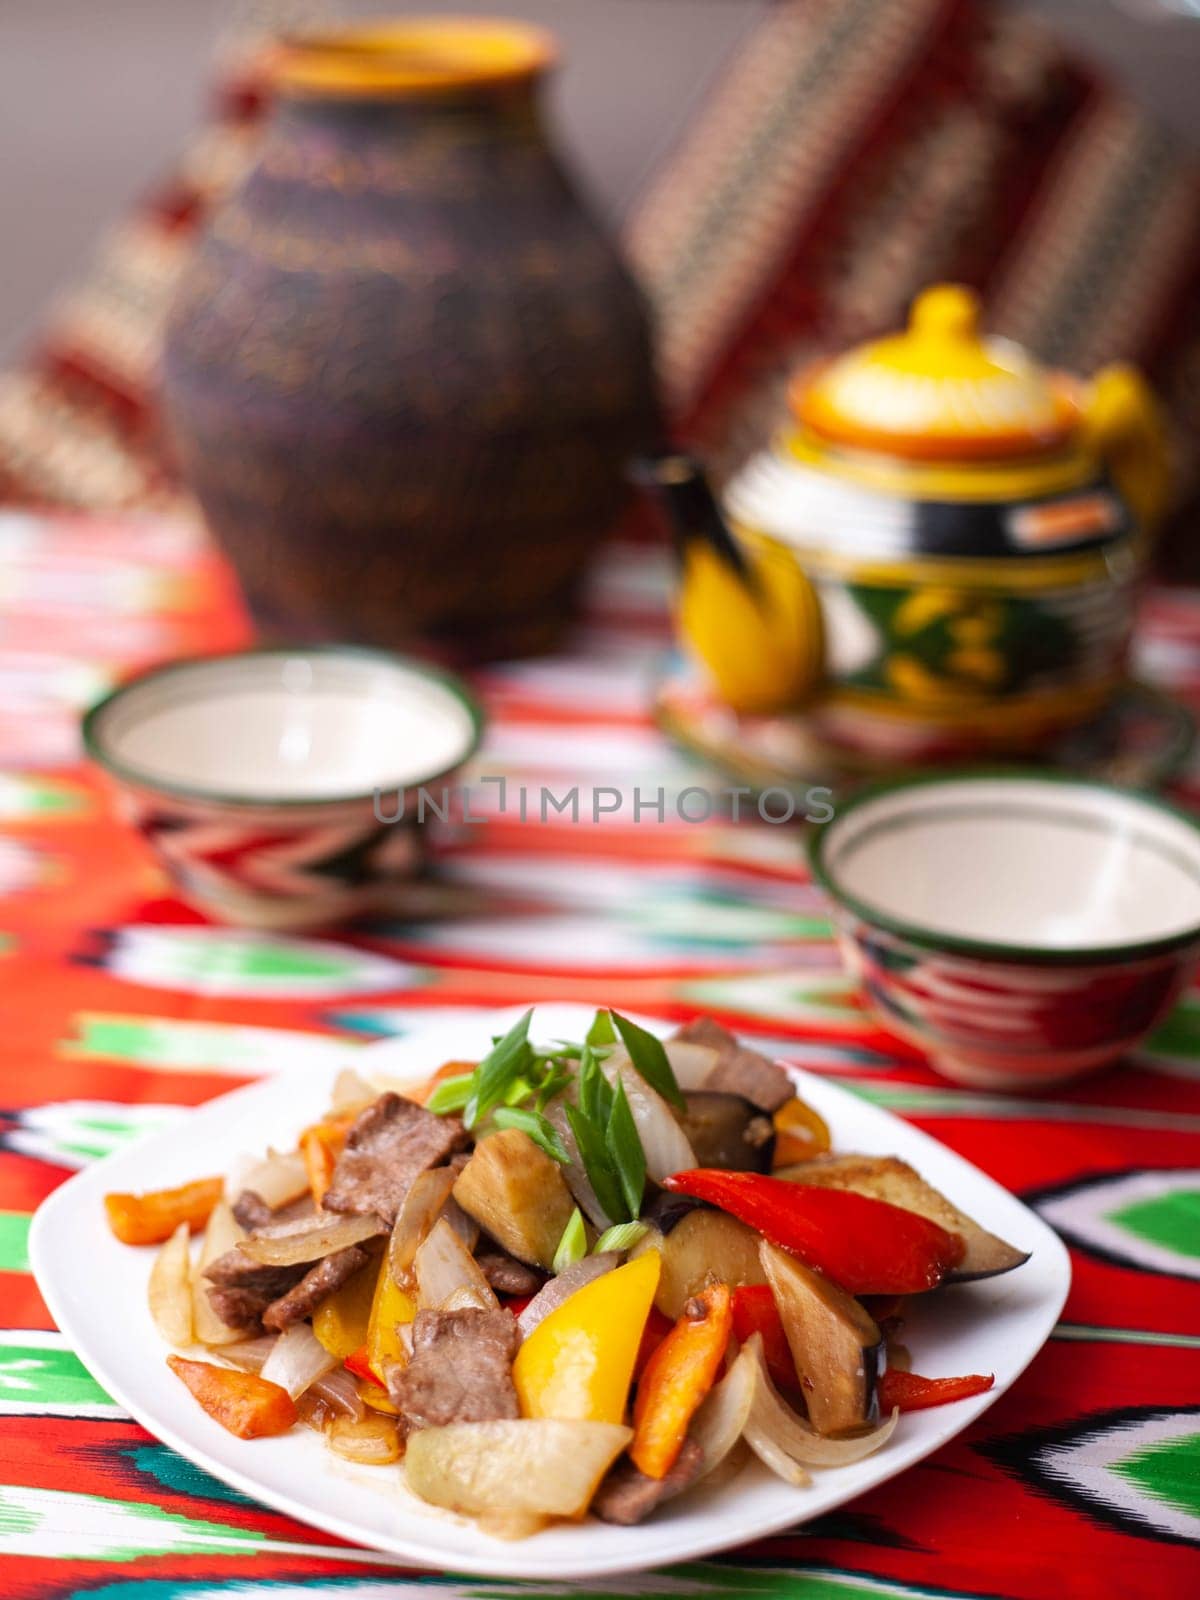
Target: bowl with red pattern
1019,928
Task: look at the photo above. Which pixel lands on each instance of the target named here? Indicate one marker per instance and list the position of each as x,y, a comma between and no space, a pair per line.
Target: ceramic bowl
1019,929
260,778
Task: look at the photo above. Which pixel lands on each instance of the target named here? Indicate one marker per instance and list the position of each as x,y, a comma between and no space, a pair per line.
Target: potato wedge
517,1193
169,1289
888,1178
705,1247
541,1466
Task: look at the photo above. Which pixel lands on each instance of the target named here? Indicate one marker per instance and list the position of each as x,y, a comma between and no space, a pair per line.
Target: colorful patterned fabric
854,151
120,1008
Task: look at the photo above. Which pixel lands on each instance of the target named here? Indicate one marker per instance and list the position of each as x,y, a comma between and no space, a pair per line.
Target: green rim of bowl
94,747
926,938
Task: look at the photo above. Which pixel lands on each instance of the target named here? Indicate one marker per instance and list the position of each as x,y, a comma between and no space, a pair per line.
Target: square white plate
96,1291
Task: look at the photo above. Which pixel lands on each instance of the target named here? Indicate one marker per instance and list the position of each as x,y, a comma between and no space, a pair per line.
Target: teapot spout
679,484
749,615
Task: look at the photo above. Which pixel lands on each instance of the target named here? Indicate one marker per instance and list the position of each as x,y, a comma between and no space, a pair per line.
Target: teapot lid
939,391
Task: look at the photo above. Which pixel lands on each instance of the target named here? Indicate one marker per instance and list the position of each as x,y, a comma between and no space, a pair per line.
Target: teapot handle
1125,424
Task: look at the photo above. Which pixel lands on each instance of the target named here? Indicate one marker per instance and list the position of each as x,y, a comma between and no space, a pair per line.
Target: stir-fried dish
576,1277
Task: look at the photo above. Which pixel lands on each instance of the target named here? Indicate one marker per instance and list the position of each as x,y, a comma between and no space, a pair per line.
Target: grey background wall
96,95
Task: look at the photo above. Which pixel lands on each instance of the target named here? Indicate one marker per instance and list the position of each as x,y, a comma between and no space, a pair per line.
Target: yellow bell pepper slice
577,1365
342,1320
390,1306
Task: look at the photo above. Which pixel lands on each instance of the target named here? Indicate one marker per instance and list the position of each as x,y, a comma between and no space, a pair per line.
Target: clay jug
405,367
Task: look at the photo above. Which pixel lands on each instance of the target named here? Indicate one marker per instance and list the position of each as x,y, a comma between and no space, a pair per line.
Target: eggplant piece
889,1178
665,1211
516,1193
704,1247
836,1345
726,1130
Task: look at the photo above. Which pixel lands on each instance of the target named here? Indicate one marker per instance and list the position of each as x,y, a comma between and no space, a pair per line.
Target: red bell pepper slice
656,1330
755,1311
867,1246
908,1391
357,1363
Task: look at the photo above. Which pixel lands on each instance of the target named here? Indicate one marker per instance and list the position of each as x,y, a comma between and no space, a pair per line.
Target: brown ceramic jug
405,368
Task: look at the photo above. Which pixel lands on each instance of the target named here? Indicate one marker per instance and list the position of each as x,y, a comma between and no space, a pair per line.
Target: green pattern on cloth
1171,1220
1169,1471
14,1241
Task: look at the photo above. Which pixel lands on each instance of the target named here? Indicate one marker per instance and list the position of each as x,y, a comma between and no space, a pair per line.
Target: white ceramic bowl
260,777
1020,929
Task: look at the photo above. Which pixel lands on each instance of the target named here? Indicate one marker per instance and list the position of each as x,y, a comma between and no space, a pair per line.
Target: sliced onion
338,1390
443,1265
550,1297
773,1418
467,1229
422,1206
465,1299
250,1354
169,1289
297,1360
772,1454
664,1142
278,1180
690,1062
286,1244
350,1091
374,1441
721,1420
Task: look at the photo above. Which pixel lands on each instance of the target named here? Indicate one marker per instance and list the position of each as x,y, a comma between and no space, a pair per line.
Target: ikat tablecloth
119,1009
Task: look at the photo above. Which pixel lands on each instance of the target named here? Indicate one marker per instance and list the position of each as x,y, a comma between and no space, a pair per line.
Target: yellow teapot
937,556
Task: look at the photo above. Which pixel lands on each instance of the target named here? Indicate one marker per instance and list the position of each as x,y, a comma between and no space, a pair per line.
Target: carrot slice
246,1404
318,1161
152,1218
677,1377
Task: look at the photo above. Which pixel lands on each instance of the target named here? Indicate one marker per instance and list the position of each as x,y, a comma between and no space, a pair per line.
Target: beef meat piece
388,1146
251,1210
303,1298
238,1308
242,1289
738,1070
507,1275
627,1495
461,1369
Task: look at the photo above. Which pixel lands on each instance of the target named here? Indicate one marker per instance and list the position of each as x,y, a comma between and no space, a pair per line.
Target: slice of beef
238,1308
318,1282
461,1369
388,1146
628,1496
242,1289
738,1070
507,1275
251,1210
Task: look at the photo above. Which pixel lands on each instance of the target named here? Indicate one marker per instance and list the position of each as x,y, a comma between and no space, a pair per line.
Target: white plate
95,1289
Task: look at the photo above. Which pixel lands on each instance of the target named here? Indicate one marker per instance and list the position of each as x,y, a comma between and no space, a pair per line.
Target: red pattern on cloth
117,1001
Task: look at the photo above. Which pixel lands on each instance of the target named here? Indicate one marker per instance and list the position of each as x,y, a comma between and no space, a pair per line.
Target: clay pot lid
939,391
410,57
